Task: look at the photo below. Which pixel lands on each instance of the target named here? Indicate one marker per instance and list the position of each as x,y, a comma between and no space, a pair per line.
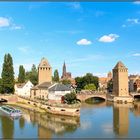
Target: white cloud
108,38
84,42
137,2
8,22
15,27
136,54
133,20
4,22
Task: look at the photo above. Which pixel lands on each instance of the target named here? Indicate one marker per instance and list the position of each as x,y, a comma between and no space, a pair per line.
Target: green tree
81,82
56,76
8,75
21,75
90,79
32,75
0,85
66,82
70,98
90,87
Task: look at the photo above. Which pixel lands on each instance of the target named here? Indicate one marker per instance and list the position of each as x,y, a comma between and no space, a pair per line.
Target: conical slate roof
119,65
44,63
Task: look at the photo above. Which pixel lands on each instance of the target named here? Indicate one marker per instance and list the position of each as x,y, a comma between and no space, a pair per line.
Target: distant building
67,75
109,76
23,89
104,80
56,91
134,83
103,83
46,90
44,80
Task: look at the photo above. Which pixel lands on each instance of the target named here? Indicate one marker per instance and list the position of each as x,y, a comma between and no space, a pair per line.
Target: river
100,120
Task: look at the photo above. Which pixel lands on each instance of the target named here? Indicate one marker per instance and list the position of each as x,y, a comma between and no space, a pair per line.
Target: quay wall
60,110
10,98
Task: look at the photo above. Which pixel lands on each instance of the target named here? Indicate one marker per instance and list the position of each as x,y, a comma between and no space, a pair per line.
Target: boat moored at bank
11,111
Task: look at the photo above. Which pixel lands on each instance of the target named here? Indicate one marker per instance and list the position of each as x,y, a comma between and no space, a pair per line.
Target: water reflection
121,119
7,127
136,109
49,124
21,122
101,120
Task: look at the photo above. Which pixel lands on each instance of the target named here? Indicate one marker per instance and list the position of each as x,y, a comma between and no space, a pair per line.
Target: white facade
56,95
24,89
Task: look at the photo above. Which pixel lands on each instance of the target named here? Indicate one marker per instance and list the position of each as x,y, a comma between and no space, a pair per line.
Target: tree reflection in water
21,122
7,127
49,124
136,109
113,117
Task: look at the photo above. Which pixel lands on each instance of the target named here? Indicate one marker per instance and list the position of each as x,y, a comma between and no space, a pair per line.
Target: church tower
120,80
64,73
44,71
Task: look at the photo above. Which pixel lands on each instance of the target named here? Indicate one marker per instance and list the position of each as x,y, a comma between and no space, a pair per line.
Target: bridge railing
88,92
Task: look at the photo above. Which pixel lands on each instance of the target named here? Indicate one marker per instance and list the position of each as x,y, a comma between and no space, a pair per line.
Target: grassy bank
28,106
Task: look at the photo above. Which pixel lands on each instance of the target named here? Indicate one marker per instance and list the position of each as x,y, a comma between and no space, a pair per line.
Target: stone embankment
59,109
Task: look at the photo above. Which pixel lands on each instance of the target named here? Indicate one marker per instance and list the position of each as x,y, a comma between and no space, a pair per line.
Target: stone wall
9,98
54,109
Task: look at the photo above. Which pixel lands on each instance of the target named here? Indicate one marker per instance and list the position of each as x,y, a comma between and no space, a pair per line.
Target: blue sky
89,36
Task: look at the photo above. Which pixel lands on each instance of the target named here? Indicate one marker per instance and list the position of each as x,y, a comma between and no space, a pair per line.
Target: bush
90,87
70,98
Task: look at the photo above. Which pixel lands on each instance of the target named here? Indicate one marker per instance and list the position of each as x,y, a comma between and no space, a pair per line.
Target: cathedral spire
64,70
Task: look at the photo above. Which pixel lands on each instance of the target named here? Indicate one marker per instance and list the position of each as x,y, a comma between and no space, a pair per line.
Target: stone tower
120,80
44,71
64,73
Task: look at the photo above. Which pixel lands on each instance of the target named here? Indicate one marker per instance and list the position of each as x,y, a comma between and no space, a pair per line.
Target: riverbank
27,106
55,108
